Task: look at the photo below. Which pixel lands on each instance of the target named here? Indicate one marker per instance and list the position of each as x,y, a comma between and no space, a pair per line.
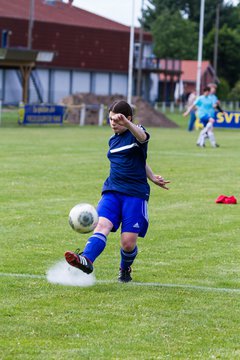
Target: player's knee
104,226
128,243
128,247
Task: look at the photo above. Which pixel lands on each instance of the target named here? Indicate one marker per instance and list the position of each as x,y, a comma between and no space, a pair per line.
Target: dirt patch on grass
144,113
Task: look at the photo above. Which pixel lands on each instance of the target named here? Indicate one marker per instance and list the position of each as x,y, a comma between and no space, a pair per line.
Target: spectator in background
215,100
213,89
191,98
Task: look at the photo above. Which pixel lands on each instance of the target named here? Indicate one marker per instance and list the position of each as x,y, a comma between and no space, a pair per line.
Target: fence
180,107
93,114
86,114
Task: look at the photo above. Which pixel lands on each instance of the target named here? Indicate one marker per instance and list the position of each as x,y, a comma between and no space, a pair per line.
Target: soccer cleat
79,261
124,275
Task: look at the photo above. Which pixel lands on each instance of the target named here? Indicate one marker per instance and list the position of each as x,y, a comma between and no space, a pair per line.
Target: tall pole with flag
130,62
200,46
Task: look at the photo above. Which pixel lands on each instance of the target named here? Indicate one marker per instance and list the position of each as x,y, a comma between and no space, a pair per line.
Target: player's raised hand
120,119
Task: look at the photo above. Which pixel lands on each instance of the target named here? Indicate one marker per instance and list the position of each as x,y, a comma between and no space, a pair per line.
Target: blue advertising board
231,119
41,114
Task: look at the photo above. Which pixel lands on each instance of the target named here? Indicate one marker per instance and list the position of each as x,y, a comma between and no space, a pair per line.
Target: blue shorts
129,211
204,119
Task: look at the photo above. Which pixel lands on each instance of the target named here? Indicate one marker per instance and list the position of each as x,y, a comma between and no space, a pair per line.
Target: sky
118,10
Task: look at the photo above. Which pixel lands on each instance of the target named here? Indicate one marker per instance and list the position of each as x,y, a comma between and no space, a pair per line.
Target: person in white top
191,98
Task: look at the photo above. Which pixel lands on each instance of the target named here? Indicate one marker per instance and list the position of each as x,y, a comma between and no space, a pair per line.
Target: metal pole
0,112
130,63
200,45
139,74
215,55
31,23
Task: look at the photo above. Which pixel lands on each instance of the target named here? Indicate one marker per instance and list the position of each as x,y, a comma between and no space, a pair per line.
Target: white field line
133,283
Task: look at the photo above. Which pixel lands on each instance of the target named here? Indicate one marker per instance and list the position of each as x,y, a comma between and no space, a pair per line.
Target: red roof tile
60,13
189,69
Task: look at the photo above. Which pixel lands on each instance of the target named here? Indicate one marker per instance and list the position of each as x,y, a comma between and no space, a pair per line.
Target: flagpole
130,62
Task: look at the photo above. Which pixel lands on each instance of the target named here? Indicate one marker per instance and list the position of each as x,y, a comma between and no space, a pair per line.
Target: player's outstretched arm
190,108
156,179
218,108
137,131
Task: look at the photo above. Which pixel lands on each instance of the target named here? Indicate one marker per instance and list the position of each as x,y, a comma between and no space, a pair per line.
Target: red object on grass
223,199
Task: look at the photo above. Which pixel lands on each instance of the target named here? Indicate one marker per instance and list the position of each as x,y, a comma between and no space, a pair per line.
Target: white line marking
24,275
133,283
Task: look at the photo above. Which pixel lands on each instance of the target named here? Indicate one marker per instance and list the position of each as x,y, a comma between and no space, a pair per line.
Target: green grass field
184,302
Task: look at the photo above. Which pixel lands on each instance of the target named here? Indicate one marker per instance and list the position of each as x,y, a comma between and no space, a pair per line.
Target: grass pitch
184,302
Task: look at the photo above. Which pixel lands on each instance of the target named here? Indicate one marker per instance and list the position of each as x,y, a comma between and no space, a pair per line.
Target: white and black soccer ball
83,218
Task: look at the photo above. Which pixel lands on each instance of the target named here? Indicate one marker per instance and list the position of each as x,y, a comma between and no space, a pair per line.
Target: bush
235,93
223,90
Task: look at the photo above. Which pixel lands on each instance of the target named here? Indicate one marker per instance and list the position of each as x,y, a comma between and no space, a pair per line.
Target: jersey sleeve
148,135
197,102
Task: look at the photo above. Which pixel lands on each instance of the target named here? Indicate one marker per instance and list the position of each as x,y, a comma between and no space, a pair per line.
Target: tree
189,9
174,25
230,16
235,93
179,38
228,53
223,89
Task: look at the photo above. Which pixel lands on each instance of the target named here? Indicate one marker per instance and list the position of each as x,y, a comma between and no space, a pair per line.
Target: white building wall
60,85
81,82
13,88
101,84
57,84
33,98
119,84
43,76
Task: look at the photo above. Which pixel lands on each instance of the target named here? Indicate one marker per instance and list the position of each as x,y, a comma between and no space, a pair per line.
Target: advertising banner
231,119
41,114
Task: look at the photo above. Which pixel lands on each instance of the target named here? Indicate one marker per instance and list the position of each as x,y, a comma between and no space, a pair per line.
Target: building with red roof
189,74
90,55
179,90
74,34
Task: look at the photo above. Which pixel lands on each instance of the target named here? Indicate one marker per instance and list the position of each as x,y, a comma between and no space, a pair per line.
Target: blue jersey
127,158
204,105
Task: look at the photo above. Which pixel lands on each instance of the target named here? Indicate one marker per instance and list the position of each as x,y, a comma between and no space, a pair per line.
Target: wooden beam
15,64
25,71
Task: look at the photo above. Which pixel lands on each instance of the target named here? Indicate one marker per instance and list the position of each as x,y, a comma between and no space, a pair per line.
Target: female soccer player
125,194
206,105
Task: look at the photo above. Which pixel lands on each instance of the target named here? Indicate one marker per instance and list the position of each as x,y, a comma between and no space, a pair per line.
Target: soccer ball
83,218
